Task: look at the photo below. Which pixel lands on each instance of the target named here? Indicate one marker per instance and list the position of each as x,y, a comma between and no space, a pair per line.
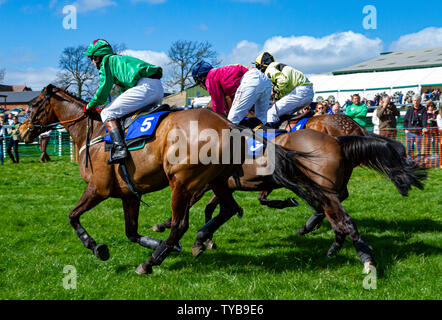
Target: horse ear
65,87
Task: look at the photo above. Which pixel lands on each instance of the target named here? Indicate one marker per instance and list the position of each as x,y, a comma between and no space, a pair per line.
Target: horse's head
41,116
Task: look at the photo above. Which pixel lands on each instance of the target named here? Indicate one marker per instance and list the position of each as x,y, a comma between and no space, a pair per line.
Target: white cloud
91,5
203,27
427,38
37,79
310,54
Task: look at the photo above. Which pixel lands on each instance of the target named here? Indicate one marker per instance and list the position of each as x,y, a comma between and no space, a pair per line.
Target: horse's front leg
88,200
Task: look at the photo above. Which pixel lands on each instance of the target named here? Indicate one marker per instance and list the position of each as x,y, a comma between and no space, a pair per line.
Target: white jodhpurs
300,97
147,91
255,89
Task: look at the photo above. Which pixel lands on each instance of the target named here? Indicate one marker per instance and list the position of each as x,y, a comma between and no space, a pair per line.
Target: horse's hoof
101,251
178,247
158,228
369,267
198,250
301,232
141,270
210,245
240,213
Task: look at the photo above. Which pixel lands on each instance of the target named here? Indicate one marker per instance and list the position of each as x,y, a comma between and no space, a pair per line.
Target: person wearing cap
247,88
140,85
291,88
2,136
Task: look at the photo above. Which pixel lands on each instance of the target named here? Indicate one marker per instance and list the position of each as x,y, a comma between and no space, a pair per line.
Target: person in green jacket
140,86
357,111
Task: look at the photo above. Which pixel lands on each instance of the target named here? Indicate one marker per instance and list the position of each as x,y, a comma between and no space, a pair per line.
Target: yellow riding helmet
263,61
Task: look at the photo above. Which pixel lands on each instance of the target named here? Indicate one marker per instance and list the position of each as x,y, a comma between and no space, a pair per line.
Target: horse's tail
291,173
397,145
382,155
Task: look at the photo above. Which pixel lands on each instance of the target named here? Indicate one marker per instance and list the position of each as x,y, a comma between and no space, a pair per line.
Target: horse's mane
72,95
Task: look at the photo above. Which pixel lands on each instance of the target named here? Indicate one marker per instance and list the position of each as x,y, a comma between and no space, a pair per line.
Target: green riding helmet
99,48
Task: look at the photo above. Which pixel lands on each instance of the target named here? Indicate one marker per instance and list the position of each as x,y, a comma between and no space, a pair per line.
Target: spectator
439,125
10,119
44,140
320,110
14,141
357,111
400,97
432,136
2,136
375,121
415,123
336,109
387,113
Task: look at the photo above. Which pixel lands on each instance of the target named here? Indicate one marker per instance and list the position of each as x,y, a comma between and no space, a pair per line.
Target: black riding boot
119,150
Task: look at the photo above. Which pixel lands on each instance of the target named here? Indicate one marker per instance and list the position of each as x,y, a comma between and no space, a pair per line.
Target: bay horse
336,157
151,169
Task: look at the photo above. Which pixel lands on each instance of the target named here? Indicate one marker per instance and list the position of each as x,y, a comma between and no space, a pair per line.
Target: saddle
286,119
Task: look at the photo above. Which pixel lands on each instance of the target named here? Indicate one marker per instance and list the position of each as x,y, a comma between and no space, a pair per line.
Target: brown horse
334,162
151,169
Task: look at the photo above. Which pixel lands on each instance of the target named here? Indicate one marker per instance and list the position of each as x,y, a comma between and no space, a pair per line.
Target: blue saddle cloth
300,124
144,126
256,148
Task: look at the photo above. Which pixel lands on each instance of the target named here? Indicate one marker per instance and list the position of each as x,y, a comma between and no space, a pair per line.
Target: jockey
246,88
140,86
291,88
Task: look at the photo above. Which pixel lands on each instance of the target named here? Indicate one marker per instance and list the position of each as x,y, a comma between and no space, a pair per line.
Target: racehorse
338,157
151,169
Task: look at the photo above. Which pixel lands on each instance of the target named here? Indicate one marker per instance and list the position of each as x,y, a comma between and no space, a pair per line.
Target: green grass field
259,257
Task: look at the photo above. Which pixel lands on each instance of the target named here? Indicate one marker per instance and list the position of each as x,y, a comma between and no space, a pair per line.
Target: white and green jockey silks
285,79
146,92
125,72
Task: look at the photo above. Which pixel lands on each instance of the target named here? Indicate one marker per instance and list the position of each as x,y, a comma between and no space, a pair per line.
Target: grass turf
259,257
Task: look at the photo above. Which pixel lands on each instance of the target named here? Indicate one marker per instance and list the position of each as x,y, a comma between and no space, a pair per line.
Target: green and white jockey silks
146,92
292,89
139,82
255,90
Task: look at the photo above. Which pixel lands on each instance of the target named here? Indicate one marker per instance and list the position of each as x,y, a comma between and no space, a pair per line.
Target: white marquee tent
369,84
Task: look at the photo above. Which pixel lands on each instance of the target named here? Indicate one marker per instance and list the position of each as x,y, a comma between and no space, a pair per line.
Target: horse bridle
46,127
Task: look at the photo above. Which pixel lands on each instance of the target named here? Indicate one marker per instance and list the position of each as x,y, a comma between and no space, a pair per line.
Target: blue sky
314,36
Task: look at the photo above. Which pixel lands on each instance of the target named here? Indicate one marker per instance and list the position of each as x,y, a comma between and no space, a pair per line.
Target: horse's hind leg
344,225
276,204
315,221
131,208
312,224
181,200
229,208
161,227
88,200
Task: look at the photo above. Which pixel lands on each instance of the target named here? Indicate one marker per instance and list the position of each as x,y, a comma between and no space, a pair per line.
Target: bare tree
78,71
184,55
